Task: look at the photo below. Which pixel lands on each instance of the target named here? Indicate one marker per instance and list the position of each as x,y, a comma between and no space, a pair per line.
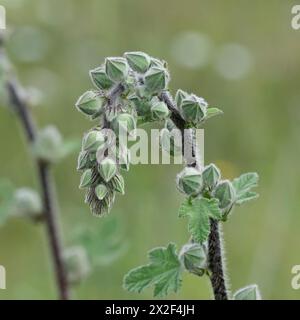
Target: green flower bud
76,263
100,78
193,258
86,179
90,103
225,192
27,203
180,95
159,110
116,68
142,106
156,80
211,176
192,110
118,184
83,160
138,61
189,181
124,123
158,63
107,169
101,191
93,140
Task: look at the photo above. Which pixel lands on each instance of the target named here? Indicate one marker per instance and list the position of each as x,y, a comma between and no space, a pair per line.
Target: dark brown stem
215,262
217,277
47,189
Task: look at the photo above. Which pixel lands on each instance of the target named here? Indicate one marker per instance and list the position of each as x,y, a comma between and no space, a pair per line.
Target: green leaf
164,272
242,186
211,112
105,244
247,196
248,293
199,211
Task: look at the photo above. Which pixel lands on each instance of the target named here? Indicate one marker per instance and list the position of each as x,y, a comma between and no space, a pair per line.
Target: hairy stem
215,262
47,189
217,277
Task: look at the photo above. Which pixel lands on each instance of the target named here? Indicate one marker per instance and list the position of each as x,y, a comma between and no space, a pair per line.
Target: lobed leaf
164,272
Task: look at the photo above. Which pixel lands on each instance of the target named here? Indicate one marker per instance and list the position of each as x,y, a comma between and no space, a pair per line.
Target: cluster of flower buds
207,183
127,90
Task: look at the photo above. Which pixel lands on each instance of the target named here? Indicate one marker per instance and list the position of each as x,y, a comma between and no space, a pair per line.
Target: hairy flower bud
211,176
116,68
225,192
107,169
118,184
83,160
86,179
138,61
159,110
189,181
142,106
76,263
193,258
156,80
180,95
90,103
100,78
101,191
124,123
27,203
93,140
192,110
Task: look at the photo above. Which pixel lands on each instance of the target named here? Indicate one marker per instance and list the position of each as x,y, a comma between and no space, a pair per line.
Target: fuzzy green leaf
211,112
164,272
248,293
199,211
242,186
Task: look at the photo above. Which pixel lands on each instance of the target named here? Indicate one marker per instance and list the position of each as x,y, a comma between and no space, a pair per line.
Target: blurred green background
242,56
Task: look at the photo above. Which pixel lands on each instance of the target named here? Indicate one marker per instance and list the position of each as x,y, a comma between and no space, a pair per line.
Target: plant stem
47,189
215,261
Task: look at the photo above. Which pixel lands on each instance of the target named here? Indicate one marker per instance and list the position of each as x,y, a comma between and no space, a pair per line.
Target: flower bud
142,106
193,258
189,181
159,110
27,203
107,169
180,95
93,140
138,61
225,192
156,80
192,110
124,123
90,103
76,263
100,78
83,160
211,176
86,179
118,184
101,191
116,68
